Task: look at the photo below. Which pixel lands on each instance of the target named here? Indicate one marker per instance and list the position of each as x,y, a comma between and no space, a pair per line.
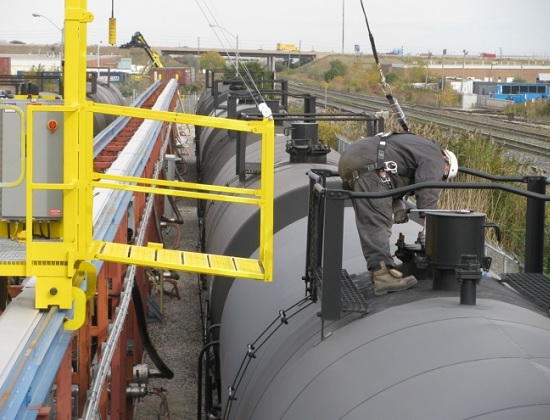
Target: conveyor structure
71,275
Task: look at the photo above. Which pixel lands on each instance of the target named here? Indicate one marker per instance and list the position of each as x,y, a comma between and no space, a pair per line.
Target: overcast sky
495,26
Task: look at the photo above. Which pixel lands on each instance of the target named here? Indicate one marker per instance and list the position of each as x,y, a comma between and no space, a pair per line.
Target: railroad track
528,139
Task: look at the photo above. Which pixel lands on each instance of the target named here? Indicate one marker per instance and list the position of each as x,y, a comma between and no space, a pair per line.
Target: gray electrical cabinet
47,160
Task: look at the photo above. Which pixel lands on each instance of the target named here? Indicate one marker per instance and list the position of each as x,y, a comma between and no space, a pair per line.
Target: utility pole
428,67
343,4
443,69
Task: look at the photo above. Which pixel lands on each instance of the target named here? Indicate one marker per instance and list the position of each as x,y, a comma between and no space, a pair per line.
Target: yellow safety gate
60,266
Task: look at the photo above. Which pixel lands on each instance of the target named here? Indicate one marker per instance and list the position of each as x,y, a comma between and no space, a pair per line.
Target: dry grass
481,153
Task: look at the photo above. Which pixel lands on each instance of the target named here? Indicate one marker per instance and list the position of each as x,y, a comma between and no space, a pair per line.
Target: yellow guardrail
60,265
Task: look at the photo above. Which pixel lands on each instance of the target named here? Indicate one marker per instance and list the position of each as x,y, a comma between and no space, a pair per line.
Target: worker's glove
421,238
400,211
346,186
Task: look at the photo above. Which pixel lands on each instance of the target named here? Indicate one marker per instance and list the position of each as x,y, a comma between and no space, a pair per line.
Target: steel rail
533,140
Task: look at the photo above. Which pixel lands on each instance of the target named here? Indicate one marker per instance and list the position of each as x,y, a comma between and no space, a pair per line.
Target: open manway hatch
535,287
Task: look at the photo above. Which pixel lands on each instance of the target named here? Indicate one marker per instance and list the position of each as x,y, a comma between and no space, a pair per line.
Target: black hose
157,225
144,334
199,387
179,217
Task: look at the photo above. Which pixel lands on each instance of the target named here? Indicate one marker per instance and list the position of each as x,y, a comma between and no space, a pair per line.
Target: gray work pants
374,220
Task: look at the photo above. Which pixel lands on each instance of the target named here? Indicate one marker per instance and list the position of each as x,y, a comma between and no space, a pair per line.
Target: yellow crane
138,41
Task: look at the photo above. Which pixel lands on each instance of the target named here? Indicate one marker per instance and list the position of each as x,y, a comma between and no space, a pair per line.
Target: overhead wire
225,34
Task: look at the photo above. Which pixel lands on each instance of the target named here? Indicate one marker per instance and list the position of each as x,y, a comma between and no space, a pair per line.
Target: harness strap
406,172
380,164
380,153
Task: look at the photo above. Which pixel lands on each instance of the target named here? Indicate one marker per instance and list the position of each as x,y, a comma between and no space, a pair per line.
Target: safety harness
383,166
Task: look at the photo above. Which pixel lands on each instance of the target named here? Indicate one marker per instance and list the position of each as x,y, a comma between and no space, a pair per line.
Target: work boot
390,280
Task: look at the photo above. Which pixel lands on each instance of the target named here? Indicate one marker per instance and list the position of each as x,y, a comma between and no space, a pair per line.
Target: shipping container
164,74
5,65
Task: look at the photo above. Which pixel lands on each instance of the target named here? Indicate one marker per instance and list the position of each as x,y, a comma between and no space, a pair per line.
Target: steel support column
534,232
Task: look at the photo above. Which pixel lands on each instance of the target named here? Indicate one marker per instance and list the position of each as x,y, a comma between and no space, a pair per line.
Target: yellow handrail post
56,263
54,284
267,188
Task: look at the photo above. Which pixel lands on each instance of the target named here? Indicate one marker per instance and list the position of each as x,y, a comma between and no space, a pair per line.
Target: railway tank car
105,93
416,354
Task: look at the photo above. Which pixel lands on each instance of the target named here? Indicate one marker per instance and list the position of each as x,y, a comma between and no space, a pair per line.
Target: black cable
393,102
144,334
252,348
157,225
179,218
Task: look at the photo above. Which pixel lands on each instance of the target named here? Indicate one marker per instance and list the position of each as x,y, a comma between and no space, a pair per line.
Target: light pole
236,40
463,65
98,56
37,15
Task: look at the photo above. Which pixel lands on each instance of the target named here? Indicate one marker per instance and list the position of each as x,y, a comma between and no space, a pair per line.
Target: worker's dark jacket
417,157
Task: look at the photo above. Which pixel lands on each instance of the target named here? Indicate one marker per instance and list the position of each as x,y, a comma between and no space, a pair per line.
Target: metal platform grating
11,251
252,168
352,299
178,260
535,287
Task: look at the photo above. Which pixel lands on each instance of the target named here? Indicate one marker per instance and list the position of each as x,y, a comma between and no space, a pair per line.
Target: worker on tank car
384,162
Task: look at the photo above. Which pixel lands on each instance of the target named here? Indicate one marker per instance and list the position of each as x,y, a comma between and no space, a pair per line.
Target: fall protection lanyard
384,85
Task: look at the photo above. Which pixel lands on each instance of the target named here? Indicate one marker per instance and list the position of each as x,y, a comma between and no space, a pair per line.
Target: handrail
345,194
262,197
535,194
21,177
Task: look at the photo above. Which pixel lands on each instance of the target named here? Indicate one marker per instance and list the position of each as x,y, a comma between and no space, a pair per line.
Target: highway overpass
270,56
